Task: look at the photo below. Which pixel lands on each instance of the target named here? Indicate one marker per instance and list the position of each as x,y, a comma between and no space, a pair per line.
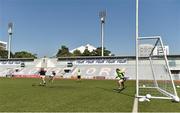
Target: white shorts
51,76
42,76
121,80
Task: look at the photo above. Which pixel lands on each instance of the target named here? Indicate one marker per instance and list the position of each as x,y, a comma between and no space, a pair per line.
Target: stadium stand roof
17,59
171,57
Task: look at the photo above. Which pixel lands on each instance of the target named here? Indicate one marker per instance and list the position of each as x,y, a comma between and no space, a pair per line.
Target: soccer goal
153,75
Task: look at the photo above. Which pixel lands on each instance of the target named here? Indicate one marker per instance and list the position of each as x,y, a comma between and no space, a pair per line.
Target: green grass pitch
18,95
159,105
65,96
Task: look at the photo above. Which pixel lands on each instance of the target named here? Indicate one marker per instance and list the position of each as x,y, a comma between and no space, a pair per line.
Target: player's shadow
60,87
105,89
121,92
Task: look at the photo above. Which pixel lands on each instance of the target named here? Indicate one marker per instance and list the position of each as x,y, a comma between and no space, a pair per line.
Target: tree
63,52
94,53
4,54
97,52
106,52
86,53
24,54
1,48
77,53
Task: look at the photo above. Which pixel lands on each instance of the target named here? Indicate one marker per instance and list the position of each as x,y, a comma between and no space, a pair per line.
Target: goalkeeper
120,75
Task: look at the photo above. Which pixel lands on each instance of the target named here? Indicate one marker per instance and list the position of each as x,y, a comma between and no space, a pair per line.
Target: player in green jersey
120,75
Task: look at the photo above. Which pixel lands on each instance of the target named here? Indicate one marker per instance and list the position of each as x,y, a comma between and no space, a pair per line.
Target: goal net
154,76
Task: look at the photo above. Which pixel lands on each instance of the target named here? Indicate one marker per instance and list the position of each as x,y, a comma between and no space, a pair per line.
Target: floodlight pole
137,53
102,16
102,39
10,26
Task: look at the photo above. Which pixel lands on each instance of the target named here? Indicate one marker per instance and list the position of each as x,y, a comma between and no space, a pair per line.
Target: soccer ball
178,86
176,99
148,96
144,85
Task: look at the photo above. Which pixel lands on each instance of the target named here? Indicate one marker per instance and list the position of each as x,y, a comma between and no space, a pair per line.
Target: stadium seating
90,68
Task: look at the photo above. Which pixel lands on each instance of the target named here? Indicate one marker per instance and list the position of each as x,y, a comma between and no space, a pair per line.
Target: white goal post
154,75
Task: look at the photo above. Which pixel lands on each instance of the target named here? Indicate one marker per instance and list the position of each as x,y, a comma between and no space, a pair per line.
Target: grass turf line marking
135,106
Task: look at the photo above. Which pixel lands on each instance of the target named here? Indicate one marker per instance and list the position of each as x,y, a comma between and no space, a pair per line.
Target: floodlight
10,26
102,15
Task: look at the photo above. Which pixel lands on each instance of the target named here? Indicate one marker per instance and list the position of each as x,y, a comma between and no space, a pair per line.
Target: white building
82,48
3,45
145,50
158,50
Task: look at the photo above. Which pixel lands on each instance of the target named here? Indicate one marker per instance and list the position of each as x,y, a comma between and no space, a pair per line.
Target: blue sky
42,26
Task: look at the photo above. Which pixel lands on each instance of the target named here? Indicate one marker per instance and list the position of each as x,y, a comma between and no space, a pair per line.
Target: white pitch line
135,106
